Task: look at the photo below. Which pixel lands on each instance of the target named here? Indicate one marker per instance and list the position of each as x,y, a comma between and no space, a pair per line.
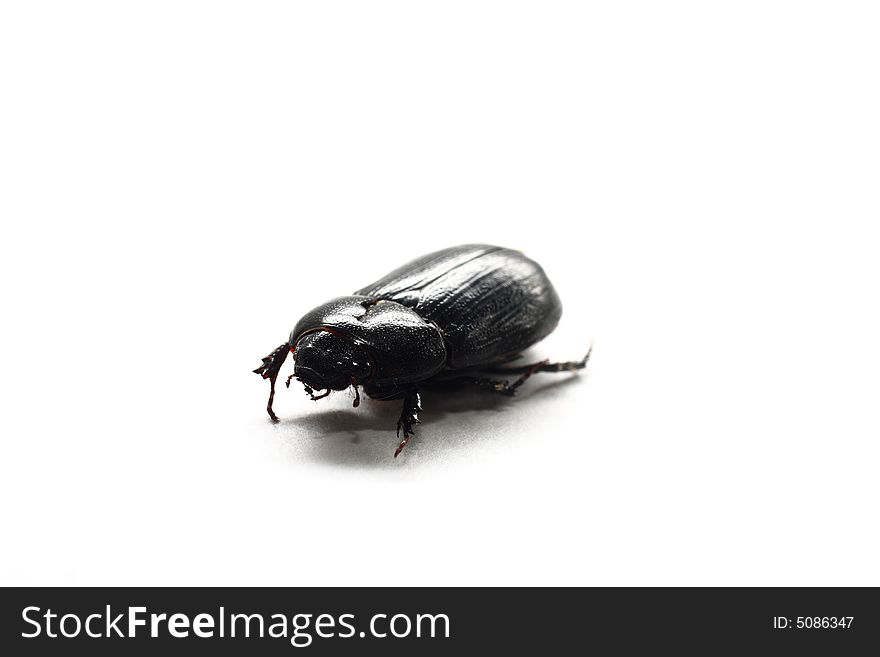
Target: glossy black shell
488,302
456,309
403,347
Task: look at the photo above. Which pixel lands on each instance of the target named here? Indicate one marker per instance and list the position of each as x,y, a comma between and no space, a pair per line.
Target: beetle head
329,361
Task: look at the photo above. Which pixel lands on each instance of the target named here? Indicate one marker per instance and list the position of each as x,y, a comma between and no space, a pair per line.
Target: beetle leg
490,384
544,366
269,370
409,416
505,388
357,394
311,393
511,389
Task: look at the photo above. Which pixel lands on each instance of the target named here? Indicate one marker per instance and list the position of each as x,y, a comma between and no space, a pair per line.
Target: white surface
181,181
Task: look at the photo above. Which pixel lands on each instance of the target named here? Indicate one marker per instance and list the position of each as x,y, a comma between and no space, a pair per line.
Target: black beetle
450,316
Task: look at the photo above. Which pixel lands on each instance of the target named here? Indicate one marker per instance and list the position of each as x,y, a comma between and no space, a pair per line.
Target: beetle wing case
404,347
490,302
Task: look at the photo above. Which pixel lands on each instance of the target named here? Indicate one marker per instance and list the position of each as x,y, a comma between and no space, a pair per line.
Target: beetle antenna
269,370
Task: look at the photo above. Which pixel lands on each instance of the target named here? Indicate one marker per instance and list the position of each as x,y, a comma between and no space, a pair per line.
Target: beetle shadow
455,421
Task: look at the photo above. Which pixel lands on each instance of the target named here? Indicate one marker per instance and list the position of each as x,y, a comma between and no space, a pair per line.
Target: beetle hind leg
545,366
525,371
409,416
269,370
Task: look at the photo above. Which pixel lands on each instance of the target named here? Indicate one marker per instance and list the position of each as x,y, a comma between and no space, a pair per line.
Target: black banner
436,621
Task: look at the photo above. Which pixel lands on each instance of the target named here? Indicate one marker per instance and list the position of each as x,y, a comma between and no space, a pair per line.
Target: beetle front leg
409,416
269,370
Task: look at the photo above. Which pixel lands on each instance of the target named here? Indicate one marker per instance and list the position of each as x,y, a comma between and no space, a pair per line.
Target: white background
182,180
